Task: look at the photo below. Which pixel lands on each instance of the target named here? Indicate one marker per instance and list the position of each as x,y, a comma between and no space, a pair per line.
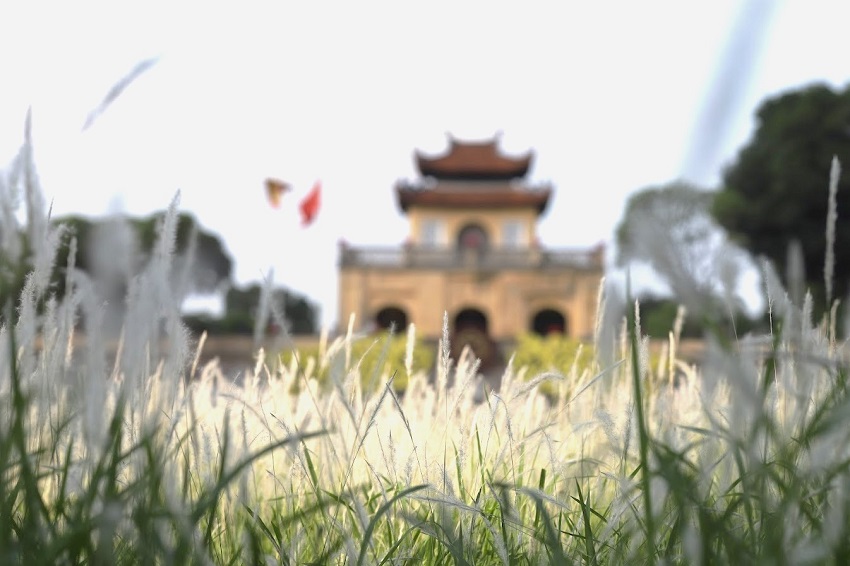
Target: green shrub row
375,358
553,353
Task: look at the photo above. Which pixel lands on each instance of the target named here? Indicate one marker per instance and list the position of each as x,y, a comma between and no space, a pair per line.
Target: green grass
211,472
743,460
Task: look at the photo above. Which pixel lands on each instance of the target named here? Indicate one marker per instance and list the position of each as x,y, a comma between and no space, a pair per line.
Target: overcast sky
613,97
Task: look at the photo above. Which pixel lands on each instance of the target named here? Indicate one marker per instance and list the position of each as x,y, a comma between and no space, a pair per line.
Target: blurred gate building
472,252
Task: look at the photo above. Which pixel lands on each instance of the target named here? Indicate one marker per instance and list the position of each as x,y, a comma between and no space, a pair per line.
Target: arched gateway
472,250
470,329
549,321
391,317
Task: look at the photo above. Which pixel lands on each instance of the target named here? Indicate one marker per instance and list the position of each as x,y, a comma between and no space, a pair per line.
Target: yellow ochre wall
508,298
490,219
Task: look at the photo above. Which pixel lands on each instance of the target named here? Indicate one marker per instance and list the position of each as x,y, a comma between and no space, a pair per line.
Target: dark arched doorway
470,318
391,317
549,321
470,329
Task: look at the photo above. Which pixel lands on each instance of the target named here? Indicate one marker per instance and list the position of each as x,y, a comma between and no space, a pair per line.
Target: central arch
470,319
391,317
548,322
470,328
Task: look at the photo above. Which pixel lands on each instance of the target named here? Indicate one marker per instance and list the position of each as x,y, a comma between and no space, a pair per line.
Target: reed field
151,459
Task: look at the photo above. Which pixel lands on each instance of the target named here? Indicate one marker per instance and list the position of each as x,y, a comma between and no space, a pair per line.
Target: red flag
310,205
274,191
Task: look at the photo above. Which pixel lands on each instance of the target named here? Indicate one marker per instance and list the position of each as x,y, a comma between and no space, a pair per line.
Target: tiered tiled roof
473,161
473,175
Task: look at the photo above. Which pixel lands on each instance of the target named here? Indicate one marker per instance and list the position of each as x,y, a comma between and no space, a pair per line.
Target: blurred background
613,97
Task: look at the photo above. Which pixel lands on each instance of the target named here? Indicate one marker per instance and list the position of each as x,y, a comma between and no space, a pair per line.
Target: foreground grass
745,461
152,460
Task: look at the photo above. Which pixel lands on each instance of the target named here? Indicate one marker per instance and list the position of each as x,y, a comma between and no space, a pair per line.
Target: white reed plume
152,306
43,241
795,272
408,351
263,314
831,220
444,362
20,172
611,309
117,89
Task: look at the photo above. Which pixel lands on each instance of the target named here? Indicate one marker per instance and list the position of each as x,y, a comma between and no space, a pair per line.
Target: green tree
670,228
241,306
210,268
776,192
658,318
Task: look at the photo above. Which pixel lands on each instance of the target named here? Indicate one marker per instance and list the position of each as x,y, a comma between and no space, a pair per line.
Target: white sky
608,94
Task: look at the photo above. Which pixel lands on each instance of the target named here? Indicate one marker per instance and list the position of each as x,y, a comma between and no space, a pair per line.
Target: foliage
742,460
680,210
735,463
552,353
375,358
240,324
211,265
658,317
776,191
241,304
671,229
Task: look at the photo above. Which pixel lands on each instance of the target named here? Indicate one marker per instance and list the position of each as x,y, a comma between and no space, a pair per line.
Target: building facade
473,253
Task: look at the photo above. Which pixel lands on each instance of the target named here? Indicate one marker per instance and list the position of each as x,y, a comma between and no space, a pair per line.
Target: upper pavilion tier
473,175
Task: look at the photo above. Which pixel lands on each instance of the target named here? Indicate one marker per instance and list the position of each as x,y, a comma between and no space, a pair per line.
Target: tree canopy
671,229
300,313
776,192
114,249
